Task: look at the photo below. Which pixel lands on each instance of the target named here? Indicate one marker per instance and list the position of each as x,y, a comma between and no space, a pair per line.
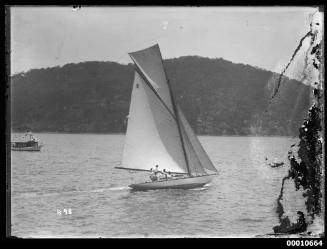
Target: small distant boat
275,165
32,144
158,132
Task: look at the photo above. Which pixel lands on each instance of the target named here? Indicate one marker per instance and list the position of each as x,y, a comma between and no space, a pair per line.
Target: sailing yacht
158,132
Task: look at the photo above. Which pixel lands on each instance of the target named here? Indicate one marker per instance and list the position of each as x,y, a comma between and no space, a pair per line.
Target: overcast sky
49,36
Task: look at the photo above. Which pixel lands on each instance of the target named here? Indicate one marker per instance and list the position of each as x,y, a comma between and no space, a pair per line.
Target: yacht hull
32,148
177,183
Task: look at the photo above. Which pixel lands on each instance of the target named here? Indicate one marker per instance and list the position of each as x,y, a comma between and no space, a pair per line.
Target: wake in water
110,189
198,189
201,188
46,194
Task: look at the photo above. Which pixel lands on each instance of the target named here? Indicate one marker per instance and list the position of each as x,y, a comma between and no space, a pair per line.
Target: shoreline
121,133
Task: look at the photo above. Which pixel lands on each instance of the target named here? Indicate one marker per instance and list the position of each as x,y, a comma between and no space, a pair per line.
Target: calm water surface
76,172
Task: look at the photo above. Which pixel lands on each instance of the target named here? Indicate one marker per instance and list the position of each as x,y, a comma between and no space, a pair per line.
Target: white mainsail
147,122
157,132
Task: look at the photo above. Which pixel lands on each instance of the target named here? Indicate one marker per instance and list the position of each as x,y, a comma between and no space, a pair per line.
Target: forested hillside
218,97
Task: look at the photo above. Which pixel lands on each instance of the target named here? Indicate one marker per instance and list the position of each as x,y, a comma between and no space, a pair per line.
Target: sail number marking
65,211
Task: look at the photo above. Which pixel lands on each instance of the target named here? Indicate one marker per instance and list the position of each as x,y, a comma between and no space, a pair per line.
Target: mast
177,117
178,125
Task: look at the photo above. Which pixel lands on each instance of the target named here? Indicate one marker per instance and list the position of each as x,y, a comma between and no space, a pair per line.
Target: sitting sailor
169,175
153,176
156,170
166,175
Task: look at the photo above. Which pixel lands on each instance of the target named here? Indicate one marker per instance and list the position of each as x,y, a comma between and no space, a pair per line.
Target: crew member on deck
153,176
156,170
166,174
